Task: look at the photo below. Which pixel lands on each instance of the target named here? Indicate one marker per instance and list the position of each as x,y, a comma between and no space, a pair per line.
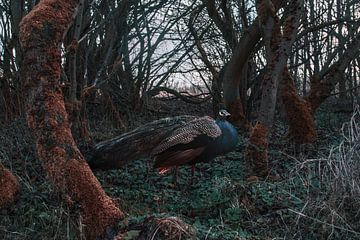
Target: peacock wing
118,151
204,126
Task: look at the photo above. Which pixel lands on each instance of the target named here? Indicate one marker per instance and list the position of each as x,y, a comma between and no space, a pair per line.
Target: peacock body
200,140
172,142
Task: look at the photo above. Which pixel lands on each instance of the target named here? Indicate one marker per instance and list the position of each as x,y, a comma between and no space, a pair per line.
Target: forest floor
301,198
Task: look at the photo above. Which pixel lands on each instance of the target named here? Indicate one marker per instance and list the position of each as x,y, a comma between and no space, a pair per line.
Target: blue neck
229,138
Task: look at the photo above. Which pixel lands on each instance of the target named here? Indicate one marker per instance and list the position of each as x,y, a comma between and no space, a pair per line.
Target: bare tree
11,13
326,80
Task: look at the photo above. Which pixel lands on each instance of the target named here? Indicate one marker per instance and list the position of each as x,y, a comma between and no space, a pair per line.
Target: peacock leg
175,175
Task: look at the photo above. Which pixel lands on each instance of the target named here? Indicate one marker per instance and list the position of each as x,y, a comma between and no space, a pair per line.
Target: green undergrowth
219,203
293,202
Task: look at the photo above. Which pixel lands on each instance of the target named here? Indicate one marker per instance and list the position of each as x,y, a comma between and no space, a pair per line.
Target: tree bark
233,75
277,46
17,9
41,33
298,112
9,187
225,23
74,104
256,154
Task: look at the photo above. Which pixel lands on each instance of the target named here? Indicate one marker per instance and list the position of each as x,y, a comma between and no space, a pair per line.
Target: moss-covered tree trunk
256,153
278,47
298,112
9,187
41,33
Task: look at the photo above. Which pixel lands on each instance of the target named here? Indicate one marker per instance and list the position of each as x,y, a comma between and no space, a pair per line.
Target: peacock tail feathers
120,150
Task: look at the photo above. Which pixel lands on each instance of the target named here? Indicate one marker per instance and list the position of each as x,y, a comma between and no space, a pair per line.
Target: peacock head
223,114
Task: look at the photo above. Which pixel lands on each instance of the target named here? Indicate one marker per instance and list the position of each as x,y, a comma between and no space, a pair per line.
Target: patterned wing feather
118,151
188,132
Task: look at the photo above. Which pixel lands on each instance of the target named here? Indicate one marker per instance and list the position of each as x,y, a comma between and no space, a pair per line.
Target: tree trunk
9,187
233,75
74,105
277,46
256,154
298,112
41,33
224,23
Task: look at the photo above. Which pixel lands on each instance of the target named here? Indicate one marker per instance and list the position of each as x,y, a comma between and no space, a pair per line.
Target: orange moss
256,152
99,210
298,112
264,9
9,187
320,90
41,33
237,115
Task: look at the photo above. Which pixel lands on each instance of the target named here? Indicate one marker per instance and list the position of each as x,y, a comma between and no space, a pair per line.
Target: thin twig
322,222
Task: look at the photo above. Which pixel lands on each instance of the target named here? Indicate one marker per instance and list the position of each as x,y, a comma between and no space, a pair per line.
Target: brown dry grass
170,228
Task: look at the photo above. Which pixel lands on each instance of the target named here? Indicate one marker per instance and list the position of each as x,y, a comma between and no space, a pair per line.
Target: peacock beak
223,113
227,113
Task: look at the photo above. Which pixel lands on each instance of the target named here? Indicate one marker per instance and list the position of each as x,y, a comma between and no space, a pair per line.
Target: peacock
171,142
